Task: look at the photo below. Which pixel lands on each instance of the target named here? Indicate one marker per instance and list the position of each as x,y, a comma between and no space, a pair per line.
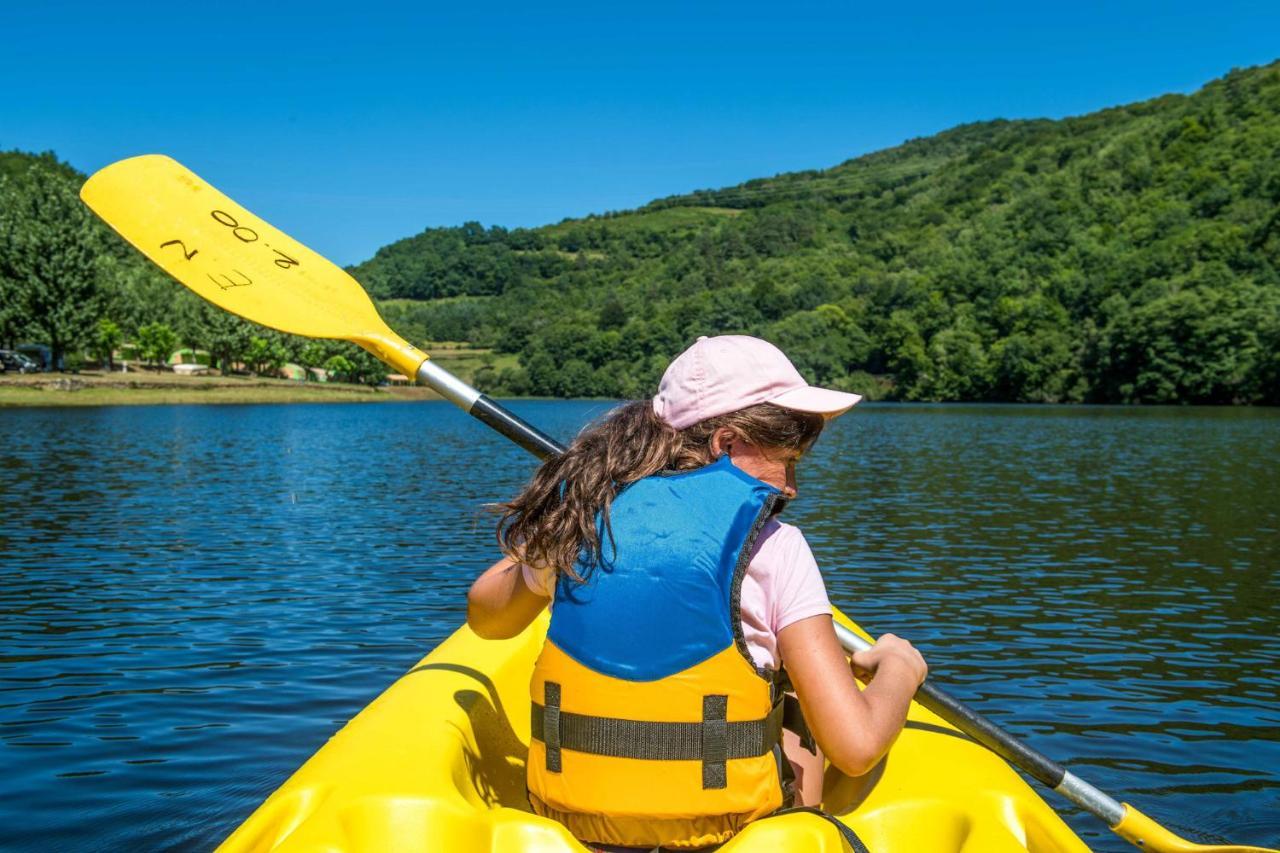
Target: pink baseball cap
719,375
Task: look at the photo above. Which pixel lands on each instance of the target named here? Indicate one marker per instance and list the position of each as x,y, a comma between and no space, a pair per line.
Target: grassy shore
93,388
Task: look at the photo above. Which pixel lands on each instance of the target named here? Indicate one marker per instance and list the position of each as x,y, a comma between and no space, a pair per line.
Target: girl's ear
722,441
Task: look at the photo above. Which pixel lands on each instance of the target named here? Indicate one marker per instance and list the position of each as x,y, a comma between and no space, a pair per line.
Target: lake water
192,599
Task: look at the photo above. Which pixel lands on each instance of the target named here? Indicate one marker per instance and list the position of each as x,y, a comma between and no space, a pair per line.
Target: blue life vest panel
666,596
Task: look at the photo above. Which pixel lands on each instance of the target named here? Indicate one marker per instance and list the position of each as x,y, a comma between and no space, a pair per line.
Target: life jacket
651,724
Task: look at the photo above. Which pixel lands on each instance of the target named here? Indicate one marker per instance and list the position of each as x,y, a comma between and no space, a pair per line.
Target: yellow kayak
437,763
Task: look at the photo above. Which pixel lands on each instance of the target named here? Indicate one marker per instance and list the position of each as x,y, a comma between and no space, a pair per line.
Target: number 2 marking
182,247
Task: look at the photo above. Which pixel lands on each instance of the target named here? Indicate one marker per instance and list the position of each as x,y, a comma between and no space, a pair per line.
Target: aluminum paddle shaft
488,412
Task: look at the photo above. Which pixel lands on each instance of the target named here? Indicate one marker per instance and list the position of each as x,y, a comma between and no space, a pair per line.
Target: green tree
957,367
314,354
137,293
1034,368
277,355
339,367
1264,379
904,355
13,314
106,337
613,315
257,354
156,341
50,251
223,334
365,369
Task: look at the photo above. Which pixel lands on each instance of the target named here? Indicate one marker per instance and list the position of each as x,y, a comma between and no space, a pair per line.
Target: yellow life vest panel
651,723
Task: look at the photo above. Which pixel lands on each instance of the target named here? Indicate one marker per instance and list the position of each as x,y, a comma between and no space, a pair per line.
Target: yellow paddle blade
1144,833
236,260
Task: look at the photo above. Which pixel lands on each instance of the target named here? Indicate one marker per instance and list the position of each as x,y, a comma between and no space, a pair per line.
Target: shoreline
95,388
145,388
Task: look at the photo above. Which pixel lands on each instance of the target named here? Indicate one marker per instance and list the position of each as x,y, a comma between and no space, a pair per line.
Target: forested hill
1130,255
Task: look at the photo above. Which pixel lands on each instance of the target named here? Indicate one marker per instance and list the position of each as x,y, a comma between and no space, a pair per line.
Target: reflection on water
193,598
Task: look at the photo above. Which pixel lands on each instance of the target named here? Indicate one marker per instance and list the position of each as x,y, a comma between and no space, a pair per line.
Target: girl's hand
855,728
896,654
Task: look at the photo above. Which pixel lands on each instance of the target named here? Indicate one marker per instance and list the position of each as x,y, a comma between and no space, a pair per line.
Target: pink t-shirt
782,586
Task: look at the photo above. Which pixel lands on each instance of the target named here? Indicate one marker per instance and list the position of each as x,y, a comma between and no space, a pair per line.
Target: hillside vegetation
1129,255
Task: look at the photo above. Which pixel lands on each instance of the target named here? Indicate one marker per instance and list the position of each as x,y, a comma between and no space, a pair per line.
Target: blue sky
352,125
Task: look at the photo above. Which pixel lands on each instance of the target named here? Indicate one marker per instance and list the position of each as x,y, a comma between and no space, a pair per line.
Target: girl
678,596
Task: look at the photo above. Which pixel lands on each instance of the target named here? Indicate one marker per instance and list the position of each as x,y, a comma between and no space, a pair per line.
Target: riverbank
94,388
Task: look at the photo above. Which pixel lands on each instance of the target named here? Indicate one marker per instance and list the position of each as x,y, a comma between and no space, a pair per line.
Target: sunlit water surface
192,599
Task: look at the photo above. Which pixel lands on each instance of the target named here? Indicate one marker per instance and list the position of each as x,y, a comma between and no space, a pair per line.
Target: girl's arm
500,604
854,728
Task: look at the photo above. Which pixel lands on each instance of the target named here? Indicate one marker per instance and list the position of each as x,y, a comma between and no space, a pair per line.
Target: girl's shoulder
786,584
779,540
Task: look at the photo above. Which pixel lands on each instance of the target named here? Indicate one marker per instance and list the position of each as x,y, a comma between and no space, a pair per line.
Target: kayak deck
437,763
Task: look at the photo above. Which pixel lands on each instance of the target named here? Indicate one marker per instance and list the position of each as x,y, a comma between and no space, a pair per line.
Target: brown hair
552,522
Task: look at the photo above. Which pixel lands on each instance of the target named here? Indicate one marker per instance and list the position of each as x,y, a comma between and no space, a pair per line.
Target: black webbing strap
793,721
713,741
550,727
851,838
792,714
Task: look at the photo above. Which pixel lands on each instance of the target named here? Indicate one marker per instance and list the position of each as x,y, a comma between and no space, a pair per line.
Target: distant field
97,388
116,389
464,361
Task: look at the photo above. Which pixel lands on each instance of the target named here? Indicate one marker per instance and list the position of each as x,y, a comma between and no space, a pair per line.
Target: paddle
240,263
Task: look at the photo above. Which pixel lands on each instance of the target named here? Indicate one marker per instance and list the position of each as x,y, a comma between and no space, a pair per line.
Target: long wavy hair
552,523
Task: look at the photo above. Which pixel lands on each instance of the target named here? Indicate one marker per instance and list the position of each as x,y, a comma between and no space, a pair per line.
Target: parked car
18,362
38,354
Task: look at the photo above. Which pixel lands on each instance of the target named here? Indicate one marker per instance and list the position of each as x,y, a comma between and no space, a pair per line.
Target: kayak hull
437,763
